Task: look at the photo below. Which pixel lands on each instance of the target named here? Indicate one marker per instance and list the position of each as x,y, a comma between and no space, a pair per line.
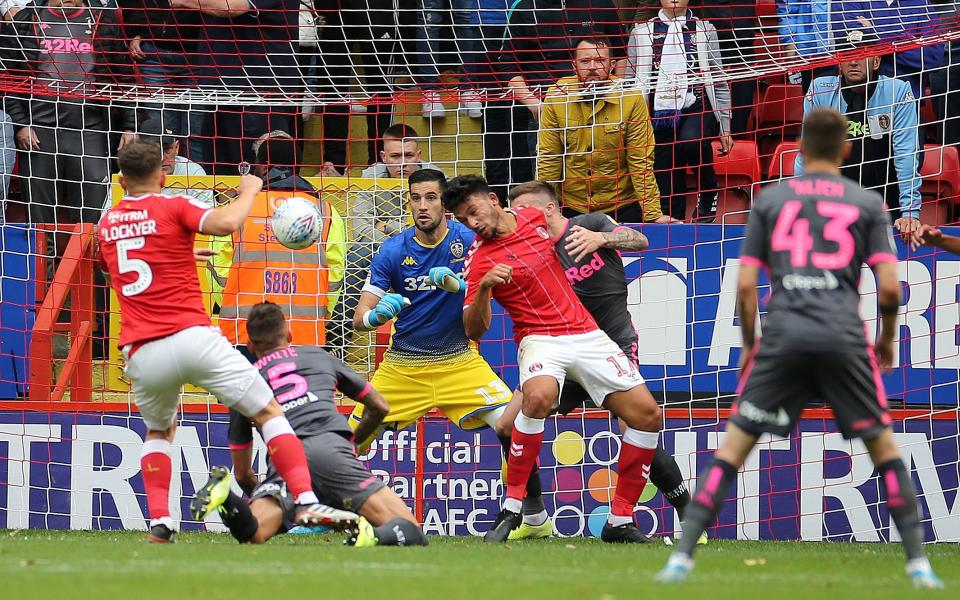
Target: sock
665,474
400,532
236,515
286,455
157,470
633,468
711,490
534,512
524,451
902,504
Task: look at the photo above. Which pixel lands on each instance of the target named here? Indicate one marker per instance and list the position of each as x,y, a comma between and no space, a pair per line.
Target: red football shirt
146,244
538,298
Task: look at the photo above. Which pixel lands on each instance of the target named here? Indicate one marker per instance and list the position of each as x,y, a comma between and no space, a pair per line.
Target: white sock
513,505
275,427
155,446
306,498
163,521
536,519
918,564
528,425
617,521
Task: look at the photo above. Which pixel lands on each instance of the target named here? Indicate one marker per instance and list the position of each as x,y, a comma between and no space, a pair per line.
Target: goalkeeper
415,278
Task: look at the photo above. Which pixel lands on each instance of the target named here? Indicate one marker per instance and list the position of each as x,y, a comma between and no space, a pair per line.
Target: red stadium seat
766,8
779,116
739,175
940,189
781,167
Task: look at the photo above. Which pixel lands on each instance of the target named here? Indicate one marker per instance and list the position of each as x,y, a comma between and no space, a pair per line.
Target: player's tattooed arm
581,242
624,238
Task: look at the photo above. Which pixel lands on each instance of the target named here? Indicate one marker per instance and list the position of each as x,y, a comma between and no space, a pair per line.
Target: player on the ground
146,248
589,248
813,233
513,260
304,380
431,362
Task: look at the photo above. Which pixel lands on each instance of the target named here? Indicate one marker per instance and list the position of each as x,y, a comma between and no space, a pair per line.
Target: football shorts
339,478
197,355
777,385
591,359
461,390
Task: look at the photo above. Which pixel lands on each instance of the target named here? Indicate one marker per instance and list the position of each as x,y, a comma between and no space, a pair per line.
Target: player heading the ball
431,363
146,249
813,233
514,261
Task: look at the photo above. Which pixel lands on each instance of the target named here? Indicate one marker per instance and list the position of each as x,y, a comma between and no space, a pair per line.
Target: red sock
524,452
633,469
157,469
286,455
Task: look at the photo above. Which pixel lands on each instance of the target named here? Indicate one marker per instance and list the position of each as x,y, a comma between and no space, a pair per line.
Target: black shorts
777,385
339,478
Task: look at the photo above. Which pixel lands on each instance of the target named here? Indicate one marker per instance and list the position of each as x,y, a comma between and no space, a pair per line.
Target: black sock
665,474
236,515
703,509
400,532
902,504
533,502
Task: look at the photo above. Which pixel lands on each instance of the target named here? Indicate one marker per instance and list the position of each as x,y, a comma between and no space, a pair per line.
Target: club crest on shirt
884,121
456,249
543,233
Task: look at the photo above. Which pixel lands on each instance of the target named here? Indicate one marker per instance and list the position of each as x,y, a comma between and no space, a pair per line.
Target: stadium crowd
612,103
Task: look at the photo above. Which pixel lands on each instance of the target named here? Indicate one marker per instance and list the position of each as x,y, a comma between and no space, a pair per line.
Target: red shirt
538,298
146,244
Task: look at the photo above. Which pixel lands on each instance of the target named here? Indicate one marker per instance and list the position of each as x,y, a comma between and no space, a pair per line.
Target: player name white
129,230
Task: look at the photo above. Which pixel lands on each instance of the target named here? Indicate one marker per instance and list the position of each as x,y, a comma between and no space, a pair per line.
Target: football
296,223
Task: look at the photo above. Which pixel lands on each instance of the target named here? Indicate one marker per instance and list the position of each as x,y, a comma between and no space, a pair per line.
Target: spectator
66,45
377,215
175,165
596,144
371,26
737,25
164,43
248,46
465,17
805,31
538,43
305,283
882,115
664,52
892,21
8,147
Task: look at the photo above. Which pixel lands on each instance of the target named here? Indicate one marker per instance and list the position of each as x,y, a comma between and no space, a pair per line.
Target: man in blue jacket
882,115
892,21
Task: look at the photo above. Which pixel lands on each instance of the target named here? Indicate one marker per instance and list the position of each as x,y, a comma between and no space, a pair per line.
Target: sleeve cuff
752,261
369,287
364,392
881,257
245,446
203,219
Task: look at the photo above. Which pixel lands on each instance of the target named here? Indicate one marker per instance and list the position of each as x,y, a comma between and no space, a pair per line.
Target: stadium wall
77,467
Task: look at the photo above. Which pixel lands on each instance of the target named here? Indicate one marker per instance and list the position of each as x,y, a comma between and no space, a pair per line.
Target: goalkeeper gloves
388,308
445,278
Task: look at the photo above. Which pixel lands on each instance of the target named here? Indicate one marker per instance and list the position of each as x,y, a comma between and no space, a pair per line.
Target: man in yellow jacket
304,283
596,144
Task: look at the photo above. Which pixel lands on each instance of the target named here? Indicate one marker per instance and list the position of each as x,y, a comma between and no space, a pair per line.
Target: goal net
669,117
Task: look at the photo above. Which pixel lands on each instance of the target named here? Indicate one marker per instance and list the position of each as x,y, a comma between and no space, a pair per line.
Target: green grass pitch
107,565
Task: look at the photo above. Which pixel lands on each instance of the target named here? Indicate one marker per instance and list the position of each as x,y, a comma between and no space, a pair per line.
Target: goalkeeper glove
445,278
388,308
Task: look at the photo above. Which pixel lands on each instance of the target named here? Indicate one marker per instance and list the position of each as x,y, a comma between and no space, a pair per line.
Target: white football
296,223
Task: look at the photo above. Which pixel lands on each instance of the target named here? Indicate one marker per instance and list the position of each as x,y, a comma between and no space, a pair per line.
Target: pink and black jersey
813,234
146,245
539,299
